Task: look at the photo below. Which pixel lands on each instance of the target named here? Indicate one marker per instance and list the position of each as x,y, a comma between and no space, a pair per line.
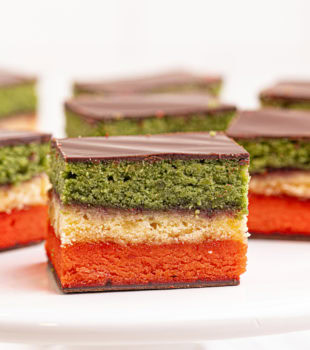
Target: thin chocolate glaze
148,83
166,146
293,91
9,79
14,137
271,123
144,106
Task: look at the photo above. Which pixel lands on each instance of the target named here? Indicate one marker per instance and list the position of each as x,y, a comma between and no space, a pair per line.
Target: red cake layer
22,227
98,264
281,215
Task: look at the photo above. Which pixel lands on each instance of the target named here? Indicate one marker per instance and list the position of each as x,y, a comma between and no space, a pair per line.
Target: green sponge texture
17,99
281,103
77,126
22,162
277,153
187,184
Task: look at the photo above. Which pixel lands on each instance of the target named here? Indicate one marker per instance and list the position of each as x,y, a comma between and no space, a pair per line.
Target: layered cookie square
292,94
171,82
279,194
23,188
147,212
145,114
17,101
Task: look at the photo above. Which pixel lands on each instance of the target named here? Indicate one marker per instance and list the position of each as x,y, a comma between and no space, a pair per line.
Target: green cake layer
78,126
17,99
185,184
279,103
266,154
22,162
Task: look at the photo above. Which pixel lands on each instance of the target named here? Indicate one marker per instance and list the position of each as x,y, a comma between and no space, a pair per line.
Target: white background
251,43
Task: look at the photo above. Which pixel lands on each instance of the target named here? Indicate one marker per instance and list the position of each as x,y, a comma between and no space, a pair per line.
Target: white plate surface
274,297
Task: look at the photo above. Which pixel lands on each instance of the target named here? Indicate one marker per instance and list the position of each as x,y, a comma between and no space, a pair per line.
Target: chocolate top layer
144,106
289,90
14,138
166,146
271,123
9,79
148,83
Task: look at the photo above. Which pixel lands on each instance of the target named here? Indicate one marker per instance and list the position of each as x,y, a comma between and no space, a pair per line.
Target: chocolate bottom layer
134,287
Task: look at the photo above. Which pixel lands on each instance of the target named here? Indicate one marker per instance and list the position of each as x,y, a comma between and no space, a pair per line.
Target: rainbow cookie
291,94
279,194
172,82
145,114
23,188
17,101
148,212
